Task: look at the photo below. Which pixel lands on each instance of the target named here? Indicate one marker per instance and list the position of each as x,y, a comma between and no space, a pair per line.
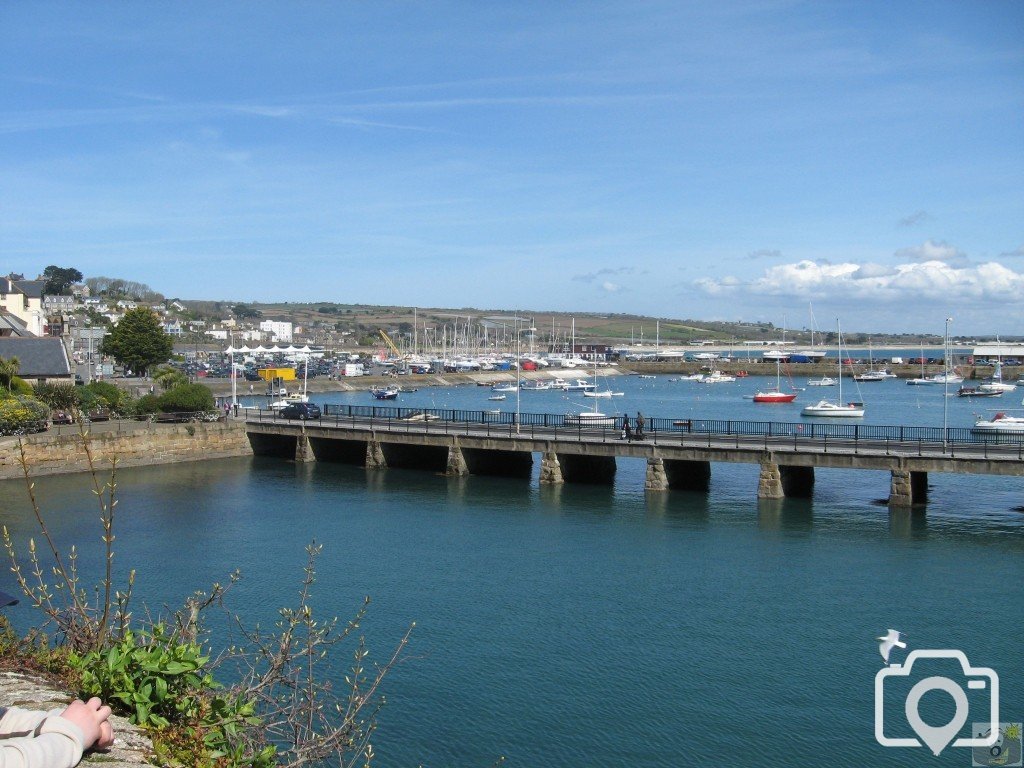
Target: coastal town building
276,331
40,360
24,299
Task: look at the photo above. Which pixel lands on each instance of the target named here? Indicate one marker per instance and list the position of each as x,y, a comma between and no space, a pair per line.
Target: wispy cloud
1016,253
765,253
592,276
917,217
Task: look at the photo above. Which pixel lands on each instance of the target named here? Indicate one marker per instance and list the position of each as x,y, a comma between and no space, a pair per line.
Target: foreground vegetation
24,408
161,673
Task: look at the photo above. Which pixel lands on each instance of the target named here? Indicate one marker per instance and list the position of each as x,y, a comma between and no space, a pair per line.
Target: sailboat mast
839,333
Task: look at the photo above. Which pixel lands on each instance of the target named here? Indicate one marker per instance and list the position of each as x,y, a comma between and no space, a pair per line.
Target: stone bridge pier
779,481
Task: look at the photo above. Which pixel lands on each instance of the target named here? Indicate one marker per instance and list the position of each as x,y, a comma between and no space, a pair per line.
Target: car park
302,411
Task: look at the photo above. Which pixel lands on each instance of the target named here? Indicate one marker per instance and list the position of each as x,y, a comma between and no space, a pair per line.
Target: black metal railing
656,429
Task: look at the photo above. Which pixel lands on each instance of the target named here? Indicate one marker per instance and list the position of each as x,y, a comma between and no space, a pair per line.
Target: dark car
302,411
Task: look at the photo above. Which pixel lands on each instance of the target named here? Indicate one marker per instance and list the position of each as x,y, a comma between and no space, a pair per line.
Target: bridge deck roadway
917,456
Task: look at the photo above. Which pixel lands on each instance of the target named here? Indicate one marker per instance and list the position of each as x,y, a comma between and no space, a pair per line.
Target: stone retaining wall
134,444
132,747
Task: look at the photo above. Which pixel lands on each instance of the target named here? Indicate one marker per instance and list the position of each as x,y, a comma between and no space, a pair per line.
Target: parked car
302,411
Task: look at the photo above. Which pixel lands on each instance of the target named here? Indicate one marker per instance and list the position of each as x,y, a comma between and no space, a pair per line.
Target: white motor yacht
1000,424
828,408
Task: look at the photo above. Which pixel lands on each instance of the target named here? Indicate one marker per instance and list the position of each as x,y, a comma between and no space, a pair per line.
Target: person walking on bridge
627,428
639,426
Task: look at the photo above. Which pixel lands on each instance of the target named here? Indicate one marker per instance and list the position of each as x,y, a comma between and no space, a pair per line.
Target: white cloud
611,287
927,280
932,251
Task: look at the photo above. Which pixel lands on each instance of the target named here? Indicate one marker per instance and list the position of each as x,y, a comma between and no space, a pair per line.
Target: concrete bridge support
456,462
593,470
375,455
797,482
303,450
908,488
550,469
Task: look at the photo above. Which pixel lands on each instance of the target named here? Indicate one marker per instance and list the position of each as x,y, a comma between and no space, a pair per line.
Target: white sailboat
837,409
996,383
922,380
949,374
592,418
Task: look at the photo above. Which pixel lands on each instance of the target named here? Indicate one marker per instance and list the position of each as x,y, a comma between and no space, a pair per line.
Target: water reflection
908,523
691,509
786,514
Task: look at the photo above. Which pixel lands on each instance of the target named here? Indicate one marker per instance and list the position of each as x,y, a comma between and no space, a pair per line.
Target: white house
24,300
277,331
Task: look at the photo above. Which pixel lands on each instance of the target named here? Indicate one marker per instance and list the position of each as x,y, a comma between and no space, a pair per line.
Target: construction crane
389,342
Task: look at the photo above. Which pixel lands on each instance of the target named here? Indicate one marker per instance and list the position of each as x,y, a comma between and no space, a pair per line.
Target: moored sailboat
775,395
837,409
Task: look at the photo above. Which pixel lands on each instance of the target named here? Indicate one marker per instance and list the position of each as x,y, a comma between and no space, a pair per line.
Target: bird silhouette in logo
888,641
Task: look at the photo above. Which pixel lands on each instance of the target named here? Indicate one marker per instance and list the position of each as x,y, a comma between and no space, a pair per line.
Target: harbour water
602,626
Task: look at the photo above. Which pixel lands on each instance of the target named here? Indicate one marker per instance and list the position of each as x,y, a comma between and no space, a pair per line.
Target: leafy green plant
63,397
187,398
155,676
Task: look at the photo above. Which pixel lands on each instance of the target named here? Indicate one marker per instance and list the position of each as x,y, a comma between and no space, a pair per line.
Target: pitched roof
31,288
39,357
11,325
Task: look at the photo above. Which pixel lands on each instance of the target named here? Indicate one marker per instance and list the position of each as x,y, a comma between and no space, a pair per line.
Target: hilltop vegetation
325,322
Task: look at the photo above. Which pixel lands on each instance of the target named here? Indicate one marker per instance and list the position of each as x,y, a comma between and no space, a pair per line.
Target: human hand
92,718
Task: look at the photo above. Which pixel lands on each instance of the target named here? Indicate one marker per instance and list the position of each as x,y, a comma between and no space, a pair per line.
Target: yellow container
284,374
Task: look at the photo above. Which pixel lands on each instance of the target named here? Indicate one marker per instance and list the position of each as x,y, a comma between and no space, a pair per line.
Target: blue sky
706,160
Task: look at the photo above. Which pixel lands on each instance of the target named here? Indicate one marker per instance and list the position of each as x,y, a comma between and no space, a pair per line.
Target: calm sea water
593,626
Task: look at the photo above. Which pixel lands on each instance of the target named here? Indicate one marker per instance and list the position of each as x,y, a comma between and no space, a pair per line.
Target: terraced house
24,299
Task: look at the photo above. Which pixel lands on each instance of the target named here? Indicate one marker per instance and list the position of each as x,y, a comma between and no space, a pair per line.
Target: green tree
167,377
138,341
8,370
59,279
187,398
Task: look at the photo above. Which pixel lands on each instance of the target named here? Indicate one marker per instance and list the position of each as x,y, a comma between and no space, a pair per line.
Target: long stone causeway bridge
679,453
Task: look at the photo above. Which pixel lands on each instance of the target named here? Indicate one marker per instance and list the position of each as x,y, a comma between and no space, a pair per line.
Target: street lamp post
945,385
88,357
234,380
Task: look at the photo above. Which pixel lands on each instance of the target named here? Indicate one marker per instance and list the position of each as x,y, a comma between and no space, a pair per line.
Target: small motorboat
496,397
385,393
978,392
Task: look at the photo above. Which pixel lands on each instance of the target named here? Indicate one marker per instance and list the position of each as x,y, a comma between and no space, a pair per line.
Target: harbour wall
133,444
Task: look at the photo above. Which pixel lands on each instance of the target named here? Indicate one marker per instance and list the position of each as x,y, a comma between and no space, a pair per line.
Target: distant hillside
328,322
